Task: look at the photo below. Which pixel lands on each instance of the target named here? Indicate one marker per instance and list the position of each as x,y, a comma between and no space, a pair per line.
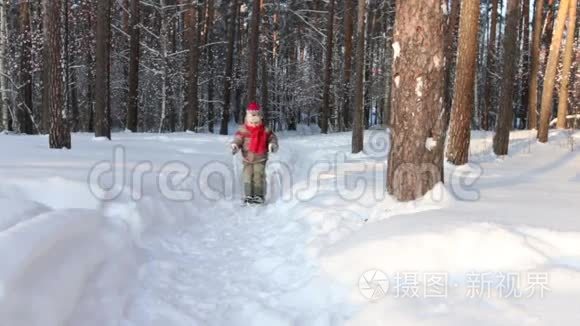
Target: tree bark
418,131
102,62
551,69
349,10
25,109
525,58
451,53
462,108
229,69
4,109
388,67
505,116
491,64
208,35
134,56
325,112
59,136
358,123
253,51
192,35
566,67
535,66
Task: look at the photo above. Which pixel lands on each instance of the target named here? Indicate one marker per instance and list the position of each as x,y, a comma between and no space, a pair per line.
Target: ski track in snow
82,262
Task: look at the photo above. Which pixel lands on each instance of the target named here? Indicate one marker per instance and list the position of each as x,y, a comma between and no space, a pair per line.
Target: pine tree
505,116
192,66
418,131
567,67
59,136
253,51
460,127
349,10
358,123
25,109
102,70
229,69
325,111
4,110
491,64
535,65
551,69
133,78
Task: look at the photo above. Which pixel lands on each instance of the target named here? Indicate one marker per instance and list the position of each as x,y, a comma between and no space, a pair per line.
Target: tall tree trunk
551,68
388,67
525,57
325,112
358,123
253,51
505,116
451,53
102,61
164,48
566,67
208,35
535,65
491,64
418,131
133,78
460,127
88,25
229,69
59,133
349,10
192,35
369,62
4,109
25,109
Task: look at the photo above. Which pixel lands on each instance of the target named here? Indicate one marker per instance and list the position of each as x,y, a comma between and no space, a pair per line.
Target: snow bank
47,262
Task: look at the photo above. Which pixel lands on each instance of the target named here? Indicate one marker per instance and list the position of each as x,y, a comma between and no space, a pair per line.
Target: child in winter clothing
255,142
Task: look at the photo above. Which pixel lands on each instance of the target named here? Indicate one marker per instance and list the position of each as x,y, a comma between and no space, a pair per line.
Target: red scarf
258,139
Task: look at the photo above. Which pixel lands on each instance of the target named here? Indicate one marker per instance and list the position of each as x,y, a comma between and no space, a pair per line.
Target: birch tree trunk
418,131
551,69
566,67
462,108
506,110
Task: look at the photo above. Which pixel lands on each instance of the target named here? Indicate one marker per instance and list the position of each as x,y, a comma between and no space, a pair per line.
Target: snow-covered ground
144,231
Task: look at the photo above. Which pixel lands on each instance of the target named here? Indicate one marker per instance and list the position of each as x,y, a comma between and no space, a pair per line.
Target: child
255,141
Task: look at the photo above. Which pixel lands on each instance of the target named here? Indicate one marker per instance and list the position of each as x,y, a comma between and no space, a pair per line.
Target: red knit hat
253,106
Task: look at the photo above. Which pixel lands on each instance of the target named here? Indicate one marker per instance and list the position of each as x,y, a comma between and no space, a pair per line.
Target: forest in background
176,65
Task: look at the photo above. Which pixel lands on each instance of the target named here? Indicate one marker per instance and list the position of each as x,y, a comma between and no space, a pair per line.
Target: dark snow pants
255,179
